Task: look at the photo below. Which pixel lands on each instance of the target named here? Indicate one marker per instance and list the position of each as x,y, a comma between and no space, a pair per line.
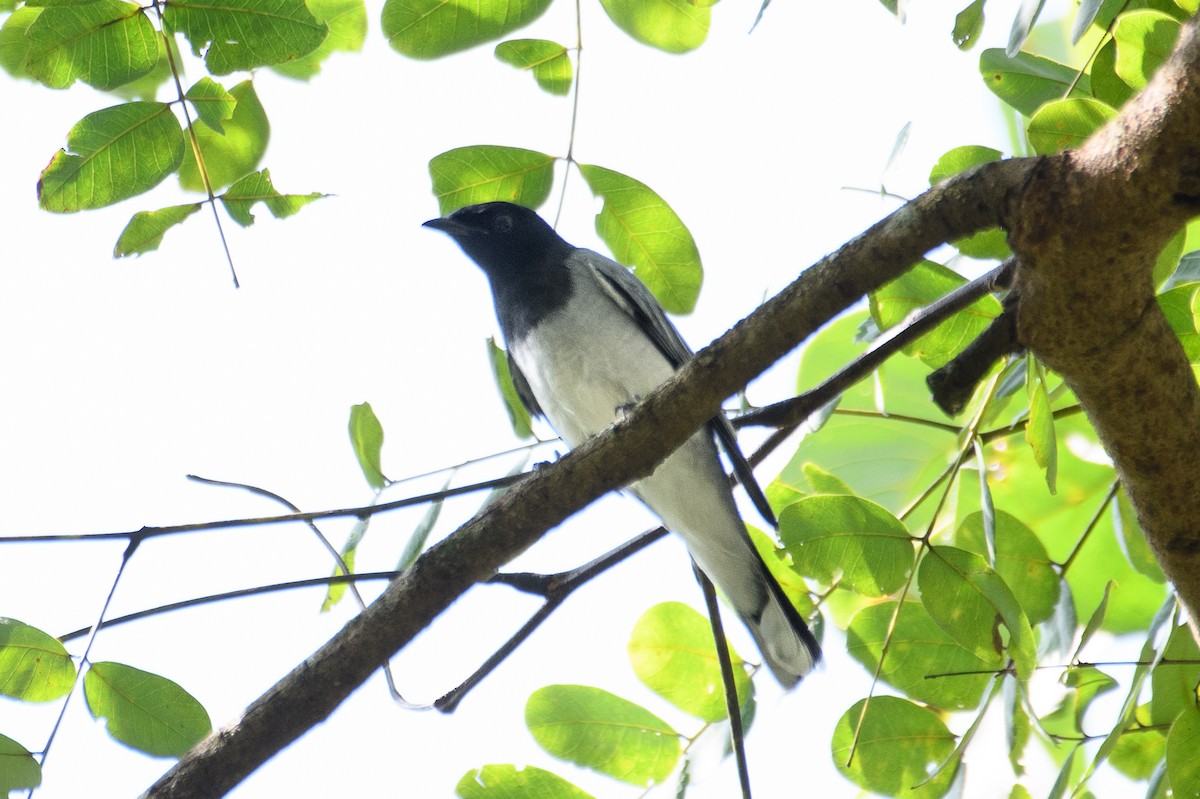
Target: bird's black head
506,240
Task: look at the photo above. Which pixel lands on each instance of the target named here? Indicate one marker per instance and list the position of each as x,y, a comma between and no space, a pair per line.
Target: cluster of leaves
142,710
212,138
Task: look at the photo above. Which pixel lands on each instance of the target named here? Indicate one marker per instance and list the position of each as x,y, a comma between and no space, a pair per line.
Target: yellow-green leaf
145,711
112,154
668,25
547,61
1061,124
146,229
256,187
34,666
435,28
245,34
105,44
644,232
483,173
235,153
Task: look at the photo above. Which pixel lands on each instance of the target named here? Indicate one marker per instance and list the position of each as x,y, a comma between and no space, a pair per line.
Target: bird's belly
582,379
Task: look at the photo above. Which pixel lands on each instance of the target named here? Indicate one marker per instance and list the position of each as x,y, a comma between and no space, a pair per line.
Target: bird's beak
452,227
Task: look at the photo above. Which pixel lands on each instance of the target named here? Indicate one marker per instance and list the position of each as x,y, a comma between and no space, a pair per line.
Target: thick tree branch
1087,232
972,201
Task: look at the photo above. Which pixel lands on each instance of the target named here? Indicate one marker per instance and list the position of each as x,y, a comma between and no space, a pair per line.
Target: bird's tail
787,644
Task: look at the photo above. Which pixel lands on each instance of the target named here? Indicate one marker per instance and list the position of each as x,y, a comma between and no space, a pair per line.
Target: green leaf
779,563
256,187
1066,123
1168,258
104,44
1138,753
880,460
415,544
925,283
483,173
643,232
850,540
19,769
968,25
114,154
235,153
145,711
1183,741
1027,82
34,666
1039,427
1174,680
518,414
969,601
1144,41
595,729
347,23
1133,540
1106,83
337,590
824,482
366,437
548,61
146,229
918,649
503,781
15,43
893,748
1178,305
435,28
1021,560
1086,683
672,652
214,106
985,244
674,27
244,34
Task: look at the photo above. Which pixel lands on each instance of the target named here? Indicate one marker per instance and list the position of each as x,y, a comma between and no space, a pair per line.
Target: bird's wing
632,296
524,392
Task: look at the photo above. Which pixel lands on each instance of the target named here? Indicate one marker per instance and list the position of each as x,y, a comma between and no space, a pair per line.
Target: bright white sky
123,377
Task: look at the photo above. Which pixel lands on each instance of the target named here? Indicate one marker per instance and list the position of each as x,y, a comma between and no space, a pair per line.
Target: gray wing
632,295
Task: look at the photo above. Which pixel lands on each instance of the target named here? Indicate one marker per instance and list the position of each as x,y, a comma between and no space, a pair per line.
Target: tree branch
972,201
1087,232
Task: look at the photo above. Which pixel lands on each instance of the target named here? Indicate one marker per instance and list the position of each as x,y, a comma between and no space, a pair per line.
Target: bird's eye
502,224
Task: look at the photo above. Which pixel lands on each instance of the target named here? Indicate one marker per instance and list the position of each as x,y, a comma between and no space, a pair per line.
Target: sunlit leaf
1144,41
34,666
483,173
893,746
675,27
347,23
1106,83
235,153
111,155
1021,560
969,601
917,651
1085,684
1039,427
1183,767
1174,680
14,43
435,28
968,25
547,61
1133,540
848,540
366,438
1066,123
244,34
672,652
19,769
256,187
991,243
503,781
146,229
595,729
145,711
104,44
214,106
1027,82
518,415
644,233
921,285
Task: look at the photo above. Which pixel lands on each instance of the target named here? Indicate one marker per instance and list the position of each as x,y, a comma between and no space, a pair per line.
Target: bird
586,340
